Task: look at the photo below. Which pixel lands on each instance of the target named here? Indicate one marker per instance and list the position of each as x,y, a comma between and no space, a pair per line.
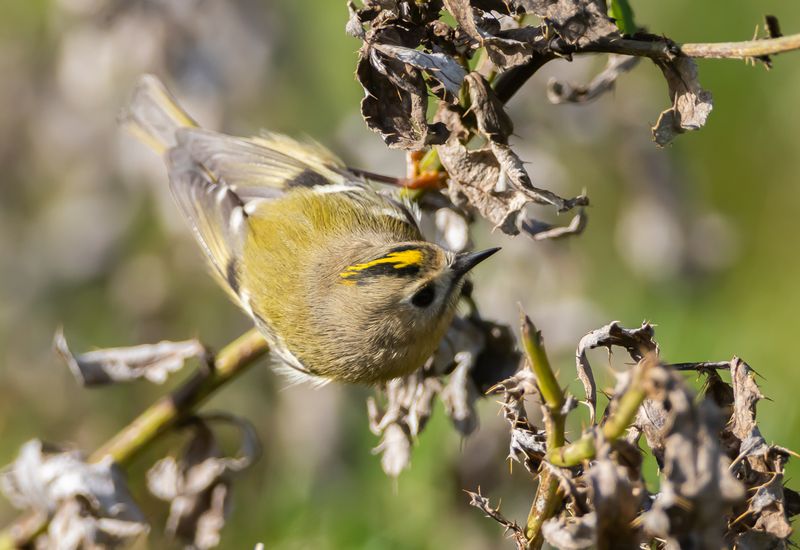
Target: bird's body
336,275
346,231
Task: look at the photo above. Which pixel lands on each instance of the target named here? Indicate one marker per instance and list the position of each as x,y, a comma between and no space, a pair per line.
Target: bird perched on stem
336,275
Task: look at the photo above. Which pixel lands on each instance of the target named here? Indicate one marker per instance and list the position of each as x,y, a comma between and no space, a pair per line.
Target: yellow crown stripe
400,259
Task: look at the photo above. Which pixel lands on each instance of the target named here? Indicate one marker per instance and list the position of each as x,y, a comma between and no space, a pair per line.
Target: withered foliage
153,362
87,504
473,355
411,55
691,104
198,484
721,483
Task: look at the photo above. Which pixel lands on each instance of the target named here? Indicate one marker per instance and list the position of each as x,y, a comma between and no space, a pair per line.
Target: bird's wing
217,180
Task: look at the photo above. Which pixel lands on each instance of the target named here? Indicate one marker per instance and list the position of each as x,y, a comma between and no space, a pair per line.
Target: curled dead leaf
469,344
698,490
197,484
493,122
89,503
578,22
691,104
395,101
635,341
154,362
442,68
496,186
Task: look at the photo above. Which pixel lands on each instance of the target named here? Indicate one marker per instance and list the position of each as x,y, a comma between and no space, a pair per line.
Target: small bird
336,275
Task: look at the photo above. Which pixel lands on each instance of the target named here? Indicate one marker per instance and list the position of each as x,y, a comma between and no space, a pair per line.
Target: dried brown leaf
197,485
571,533
506,48
579,22
541,231
745,397
460,394
354,27
512,47
408,401
691,104
409,404
635,341
90,504
493,122
395,101
517,386
527,444
461,10
73,527
759,465
154,362
698,489
439,66
494,182
617,498
395,449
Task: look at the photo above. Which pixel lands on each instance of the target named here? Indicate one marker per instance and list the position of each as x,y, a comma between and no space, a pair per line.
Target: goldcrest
336,275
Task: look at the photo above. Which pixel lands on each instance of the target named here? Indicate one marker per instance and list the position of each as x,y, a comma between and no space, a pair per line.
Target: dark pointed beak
464,262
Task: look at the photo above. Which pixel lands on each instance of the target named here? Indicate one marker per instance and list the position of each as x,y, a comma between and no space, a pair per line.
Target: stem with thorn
547,498
661,48
620,419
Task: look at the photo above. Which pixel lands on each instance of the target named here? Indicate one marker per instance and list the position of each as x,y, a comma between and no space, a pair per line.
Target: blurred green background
697,238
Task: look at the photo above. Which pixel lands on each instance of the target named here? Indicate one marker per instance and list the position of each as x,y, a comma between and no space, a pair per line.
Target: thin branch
655,47
156,420
663,48
743,50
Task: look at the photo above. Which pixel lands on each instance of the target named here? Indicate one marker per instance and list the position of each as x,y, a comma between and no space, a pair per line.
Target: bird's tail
154,115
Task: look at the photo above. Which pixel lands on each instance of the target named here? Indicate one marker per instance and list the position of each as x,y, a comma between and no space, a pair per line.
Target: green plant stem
156,420
623,416
544,506
551,392
547,498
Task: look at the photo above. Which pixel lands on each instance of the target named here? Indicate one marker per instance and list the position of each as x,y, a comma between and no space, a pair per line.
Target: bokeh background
700,238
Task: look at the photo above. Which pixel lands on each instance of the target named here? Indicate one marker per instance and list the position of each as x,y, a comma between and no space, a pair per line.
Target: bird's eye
424,296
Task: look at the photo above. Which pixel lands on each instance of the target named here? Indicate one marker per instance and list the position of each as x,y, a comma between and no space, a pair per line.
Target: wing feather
258,168
214,211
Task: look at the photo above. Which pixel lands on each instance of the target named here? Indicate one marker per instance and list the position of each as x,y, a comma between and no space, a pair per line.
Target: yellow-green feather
297,246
